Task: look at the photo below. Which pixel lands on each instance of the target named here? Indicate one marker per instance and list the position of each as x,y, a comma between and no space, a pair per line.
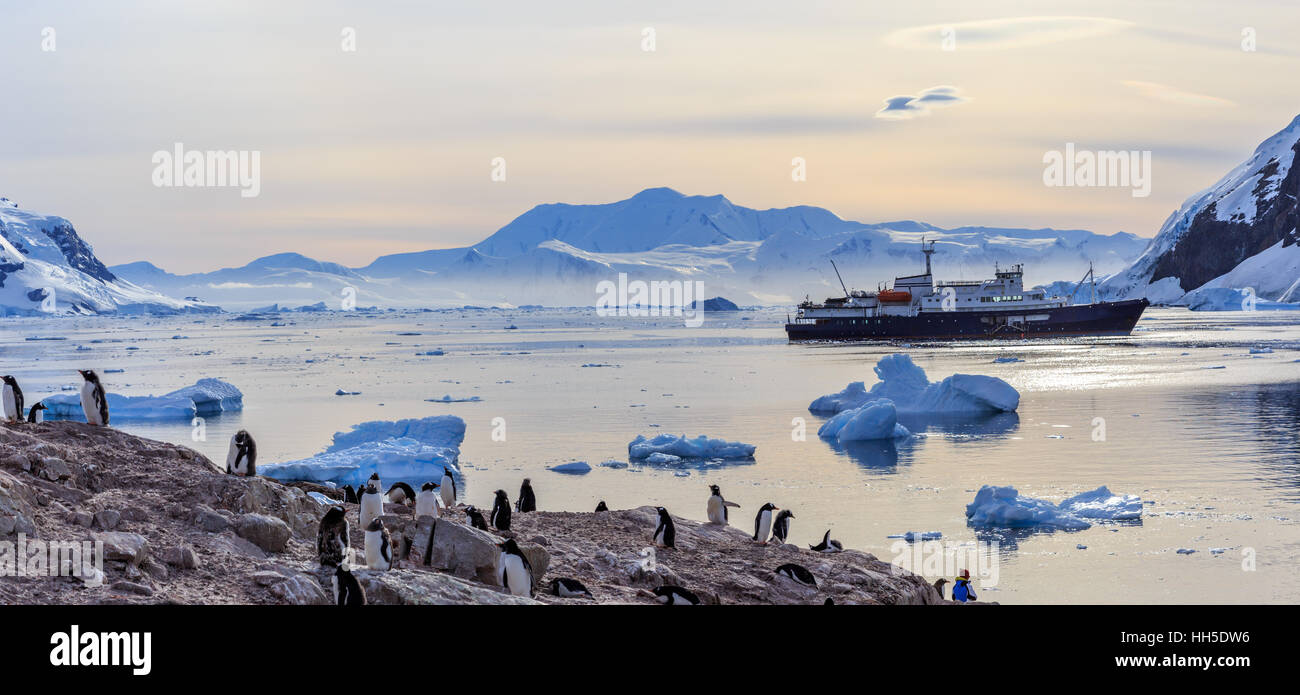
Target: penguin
798,573
372,504
501,512
569,588
717,507
426,501
347,590
781,527
763,522
829,601
350,495
94,403
527,501
601,507
379,546
374,478
827,545
447,488
11,403
475,518
670,595
332,538
401,493
666,531
242,457
938,586
516,573
37,413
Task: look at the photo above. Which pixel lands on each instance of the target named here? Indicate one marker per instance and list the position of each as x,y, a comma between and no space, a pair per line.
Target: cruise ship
1001,308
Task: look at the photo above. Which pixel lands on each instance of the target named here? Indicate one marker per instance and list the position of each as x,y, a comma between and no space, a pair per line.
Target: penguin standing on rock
516,573
781,527
94,402
666,531
372,504
475,518
37,413
828,545
501,512
717,507
401,493
601,507
763,522
242,457
332,539
347,590
938,586
447,487
527,501
379,546
426,501
11,401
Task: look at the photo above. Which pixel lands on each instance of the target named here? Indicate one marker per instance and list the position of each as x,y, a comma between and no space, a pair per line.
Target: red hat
965,574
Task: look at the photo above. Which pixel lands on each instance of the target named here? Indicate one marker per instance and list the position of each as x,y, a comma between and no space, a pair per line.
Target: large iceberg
414,451
906,384
682,447
1005,507
206,397
876,419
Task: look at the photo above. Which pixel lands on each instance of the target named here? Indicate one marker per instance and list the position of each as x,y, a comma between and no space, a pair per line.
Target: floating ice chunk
914,536
1080,546
206,397
662,459
431,353
414,451
1185,551
681,446
341,392
446,398
904,383
876,419
1007,508
1102,504
613,464
1006,360
573,468
1261,351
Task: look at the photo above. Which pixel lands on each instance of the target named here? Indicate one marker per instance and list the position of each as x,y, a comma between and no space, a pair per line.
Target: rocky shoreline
175,529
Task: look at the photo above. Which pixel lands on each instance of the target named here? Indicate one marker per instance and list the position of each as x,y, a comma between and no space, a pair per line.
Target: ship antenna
837,275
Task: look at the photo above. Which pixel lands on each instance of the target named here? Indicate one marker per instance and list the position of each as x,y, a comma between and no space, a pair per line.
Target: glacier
412,450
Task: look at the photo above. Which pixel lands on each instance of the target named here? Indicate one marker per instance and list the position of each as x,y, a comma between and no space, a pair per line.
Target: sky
934,111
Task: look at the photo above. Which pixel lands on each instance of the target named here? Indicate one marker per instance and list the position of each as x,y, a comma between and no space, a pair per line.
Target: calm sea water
1215,451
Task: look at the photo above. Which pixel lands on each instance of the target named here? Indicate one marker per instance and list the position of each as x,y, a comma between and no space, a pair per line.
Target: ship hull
1101,319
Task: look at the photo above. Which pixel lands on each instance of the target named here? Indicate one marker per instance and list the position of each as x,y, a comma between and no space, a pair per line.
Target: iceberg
876,419
682,447
1006,508
413,450
1103,504
906,384
572,468
206,397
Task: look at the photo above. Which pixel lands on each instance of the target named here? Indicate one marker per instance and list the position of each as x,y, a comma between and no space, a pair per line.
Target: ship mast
928,251
837,275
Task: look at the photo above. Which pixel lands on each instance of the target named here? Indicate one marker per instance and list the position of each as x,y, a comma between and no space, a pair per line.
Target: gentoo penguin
827,545
569,588
374,478
94,403
527,501
332,537
829,601
666,531
372,504
350,495
401,493
12,400
938,586
601,507
763,522
447,488
475,518
717,506
798,573
379,546
670,595
37,413
426,501
781,527
500,516
242,457
516,573
347,590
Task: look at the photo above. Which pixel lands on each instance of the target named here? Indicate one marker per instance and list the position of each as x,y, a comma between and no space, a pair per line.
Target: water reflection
882,455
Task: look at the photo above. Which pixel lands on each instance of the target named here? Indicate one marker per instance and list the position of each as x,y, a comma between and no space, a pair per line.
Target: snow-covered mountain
1239,233
46,268
556,254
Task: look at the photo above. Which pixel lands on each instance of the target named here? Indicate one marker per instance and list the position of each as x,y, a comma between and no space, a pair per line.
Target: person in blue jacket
961,588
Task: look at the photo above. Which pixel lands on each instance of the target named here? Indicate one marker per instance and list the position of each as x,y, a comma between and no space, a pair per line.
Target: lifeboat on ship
894,296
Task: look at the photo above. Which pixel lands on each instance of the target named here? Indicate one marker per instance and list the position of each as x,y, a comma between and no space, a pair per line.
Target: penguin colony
333,539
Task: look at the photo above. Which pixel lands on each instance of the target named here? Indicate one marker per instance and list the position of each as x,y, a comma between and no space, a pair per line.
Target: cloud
906,107
1173,95
1000,34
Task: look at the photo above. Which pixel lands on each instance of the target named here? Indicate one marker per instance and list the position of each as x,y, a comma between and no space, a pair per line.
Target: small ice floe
1261,351
1185,551
1217,366
512,327
1055,436
906,384
46,337
114,371
681,474
180,337
877,419
447,398
1080,546
431,353
1219,551
683,447
84,348
408,333
205,397
1006,360
341,392
613,464
914,536
597,364
572,468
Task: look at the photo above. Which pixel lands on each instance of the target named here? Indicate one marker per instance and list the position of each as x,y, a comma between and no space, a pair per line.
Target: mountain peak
661,194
